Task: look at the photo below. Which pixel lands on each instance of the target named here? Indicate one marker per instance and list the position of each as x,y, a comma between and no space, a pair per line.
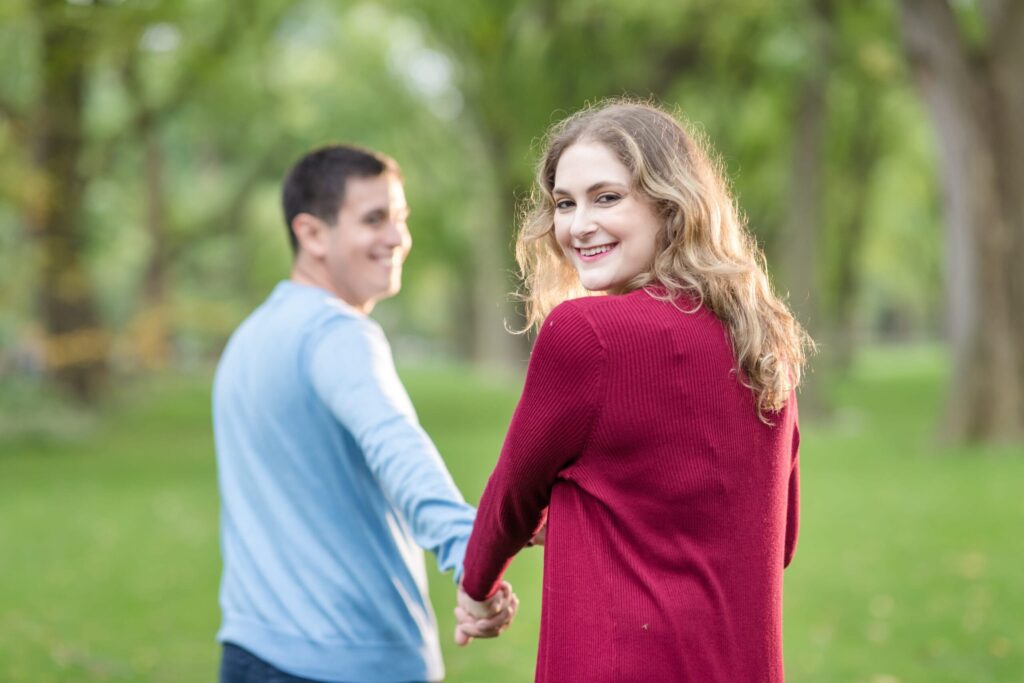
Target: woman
657,430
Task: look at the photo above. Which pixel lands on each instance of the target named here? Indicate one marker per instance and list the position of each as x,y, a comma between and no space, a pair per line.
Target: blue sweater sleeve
352,371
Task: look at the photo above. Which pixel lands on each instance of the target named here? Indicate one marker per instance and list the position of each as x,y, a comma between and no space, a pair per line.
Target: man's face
369,241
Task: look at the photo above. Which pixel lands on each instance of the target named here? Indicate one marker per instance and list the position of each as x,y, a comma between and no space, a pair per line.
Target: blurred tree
806,193
49,132
195,63
188,124
969,66
857,135
842,131
80,46
523,66
806,122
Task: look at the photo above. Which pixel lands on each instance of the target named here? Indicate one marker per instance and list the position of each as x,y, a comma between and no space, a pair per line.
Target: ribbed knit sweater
671,508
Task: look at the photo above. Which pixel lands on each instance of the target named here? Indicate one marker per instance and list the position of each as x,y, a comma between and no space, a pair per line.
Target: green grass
909,567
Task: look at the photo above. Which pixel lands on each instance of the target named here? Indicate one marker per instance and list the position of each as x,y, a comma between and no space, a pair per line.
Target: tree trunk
847,284
464,299
863,150
493,345
153,325
802,254
1006,70
976,108
76,346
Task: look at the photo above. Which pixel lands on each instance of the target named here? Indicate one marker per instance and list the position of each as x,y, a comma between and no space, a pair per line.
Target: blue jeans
241,666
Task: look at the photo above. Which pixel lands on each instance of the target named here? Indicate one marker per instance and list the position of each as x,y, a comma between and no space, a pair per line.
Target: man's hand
486,619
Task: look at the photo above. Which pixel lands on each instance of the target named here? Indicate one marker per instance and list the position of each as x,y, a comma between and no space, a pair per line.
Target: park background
875,146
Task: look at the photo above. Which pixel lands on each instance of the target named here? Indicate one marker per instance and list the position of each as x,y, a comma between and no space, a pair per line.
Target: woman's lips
591,254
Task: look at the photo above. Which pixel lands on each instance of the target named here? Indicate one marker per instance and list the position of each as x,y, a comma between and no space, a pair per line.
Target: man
329,486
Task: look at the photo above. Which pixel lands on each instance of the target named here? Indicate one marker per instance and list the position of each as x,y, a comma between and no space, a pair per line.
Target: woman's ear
311,234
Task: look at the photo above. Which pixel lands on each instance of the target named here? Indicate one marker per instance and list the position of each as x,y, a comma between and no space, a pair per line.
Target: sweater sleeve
549,429
793,499
351,370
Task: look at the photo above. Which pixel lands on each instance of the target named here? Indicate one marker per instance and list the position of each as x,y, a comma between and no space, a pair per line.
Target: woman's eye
563,204
608,198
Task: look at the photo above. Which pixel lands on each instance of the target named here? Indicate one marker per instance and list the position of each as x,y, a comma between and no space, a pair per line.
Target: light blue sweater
329,490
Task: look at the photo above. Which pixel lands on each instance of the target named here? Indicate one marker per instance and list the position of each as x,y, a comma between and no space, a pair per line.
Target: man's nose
394,233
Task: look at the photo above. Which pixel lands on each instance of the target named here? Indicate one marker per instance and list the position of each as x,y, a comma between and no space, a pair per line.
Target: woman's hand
487,619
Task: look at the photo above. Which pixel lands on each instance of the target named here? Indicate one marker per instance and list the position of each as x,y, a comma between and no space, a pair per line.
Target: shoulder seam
603,378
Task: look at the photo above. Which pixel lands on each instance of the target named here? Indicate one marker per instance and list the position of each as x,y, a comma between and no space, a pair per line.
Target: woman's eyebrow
596,186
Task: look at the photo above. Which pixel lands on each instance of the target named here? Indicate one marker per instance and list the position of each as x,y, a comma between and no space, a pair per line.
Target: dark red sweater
673,509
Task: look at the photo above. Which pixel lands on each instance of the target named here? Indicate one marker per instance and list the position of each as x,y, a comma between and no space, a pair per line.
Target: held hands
486,619
490,618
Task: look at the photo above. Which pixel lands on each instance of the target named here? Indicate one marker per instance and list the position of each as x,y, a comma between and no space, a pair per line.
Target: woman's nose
582,225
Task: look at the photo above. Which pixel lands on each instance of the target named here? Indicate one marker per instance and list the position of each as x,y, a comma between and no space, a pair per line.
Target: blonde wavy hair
704,249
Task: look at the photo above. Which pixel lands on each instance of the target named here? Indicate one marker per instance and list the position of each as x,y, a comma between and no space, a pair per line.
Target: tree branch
16,118
200,65
994,13
225,219
1006,28
932,38
194,77
679,58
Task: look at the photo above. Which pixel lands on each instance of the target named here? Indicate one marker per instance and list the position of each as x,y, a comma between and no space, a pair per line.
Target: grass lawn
910,565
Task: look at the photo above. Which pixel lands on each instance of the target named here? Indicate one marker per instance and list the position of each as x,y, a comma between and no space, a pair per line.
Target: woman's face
606,228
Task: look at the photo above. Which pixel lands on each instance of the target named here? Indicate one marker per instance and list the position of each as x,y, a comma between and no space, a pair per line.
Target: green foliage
906,571
460,94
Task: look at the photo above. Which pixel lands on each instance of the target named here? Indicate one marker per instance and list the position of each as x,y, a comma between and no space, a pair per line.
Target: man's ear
311,233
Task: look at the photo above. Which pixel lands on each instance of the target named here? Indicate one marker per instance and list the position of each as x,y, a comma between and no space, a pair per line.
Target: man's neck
303,274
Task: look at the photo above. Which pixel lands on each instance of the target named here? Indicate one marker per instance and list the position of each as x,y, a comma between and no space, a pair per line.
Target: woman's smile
591,254
607,229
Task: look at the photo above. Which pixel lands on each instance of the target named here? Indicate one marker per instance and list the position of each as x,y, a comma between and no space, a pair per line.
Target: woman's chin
598,286
592,284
